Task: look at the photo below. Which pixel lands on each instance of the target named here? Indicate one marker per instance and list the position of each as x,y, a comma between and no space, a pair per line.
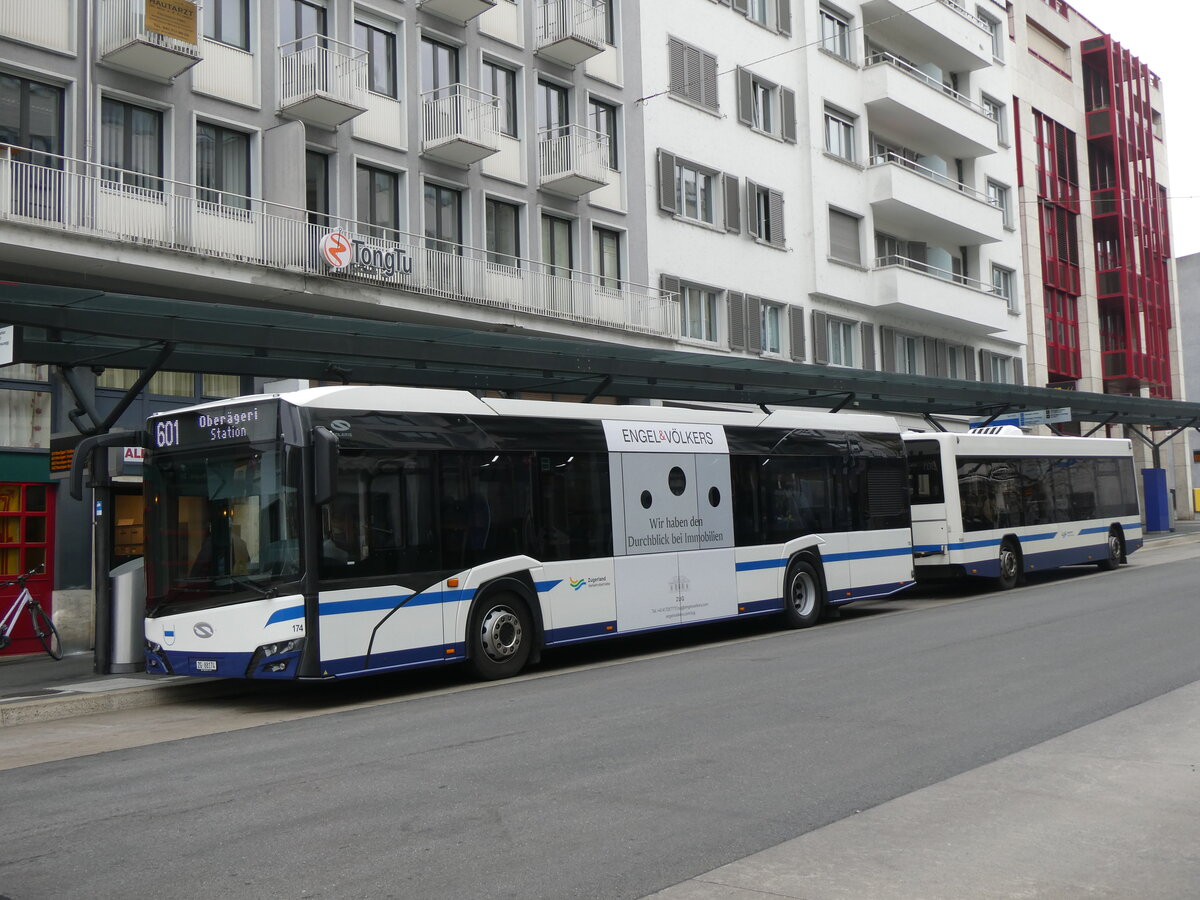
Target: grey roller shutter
733,215
745,97
666,182
843,237
867,335
887,347
754,324
796,332
1018,370
933,364
737,320
820,338
670,284
787,100
985,366
783,16
969,363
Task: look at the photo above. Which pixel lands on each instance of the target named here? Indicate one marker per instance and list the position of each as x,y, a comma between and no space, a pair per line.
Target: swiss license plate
206,665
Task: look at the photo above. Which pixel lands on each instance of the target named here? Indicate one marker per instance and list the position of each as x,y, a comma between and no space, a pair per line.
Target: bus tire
1010,564
803,594
500,636
1114,551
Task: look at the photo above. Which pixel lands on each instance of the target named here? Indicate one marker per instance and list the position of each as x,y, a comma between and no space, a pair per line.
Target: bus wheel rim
804,593
1008,562
1114,547
501,633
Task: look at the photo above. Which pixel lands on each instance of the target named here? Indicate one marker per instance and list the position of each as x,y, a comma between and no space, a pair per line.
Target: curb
65,706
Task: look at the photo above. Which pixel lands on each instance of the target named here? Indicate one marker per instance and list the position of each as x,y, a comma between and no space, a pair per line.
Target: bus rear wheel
500,637
1114,551
803,595
1010,565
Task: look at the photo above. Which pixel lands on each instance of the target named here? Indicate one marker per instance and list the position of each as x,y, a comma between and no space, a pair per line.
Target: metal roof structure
78,327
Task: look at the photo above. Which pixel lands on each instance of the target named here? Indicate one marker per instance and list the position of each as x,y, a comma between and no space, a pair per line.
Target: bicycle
43,627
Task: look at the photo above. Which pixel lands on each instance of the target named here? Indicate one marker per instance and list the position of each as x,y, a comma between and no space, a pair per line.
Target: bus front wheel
1010,565
1114,551
500,637
803,595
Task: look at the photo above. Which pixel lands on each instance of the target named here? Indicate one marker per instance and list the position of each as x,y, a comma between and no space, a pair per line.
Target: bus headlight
278,659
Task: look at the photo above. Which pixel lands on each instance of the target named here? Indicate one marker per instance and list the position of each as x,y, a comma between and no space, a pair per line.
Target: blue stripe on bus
349,666
286,615
543,586
580,632
929,548
760,564
867,592
378,604
825,557
775,604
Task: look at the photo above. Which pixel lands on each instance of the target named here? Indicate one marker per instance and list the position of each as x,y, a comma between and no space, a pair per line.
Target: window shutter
1018,370
887,346
934,364
733,216
787,102
666,181
742,6
783,16
796,332
969,363
693,84
775,206
985,366
677,67
737,320
820,338
751,208
867,335
754,324
843,237
745,97
708,82
670,284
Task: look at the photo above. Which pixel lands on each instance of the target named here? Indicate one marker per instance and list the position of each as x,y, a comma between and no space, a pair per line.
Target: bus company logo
577,583
337,250
591,581
202,630
341,426
169,637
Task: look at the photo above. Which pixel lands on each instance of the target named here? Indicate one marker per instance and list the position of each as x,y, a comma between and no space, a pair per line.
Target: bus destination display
232,425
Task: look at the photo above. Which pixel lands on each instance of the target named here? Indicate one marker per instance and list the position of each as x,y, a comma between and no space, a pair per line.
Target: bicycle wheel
45,631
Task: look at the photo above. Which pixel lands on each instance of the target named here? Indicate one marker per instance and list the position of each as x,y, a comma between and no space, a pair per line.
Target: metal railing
121,21
895,159
909,69
459,112
962,11
557,20
45,191
317,65
573,150
45,23
915,265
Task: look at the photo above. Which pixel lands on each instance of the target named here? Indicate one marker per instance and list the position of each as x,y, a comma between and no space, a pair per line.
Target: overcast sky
1161,33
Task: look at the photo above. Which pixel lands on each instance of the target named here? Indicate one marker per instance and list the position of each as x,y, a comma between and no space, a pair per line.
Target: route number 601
166,434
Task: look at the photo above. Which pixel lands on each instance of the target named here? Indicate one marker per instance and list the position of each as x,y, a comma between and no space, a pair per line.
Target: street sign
1028,418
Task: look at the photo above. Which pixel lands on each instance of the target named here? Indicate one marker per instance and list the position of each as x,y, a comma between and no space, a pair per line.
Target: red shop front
26,543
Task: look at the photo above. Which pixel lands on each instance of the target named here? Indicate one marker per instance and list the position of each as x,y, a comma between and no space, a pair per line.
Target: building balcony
322,81
155,40
459,125
914,290
907,198
569,32
460,12
227,72
63,206
962,41
909,106
41,23
572,160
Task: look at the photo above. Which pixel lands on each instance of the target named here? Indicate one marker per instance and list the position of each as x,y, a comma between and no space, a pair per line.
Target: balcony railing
125,39
895,159
74,197
43,23
573,160
322,81
916,265
962,11
876,59
459,124
570,31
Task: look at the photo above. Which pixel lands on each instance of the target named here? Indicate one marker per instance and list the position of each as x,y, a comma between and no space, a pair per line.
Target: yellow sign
172,18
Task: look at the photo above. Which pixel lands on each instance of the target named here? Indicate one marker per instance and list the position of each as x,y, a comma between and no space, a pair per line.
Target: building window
835,32
503,233
693,74
606,255
997,31
1002,286
767,206
380,45
316,188
910,354
553,110
698,309
995,110
300,19
228,21
997,195
379,202
1000,369
840,335
772,341
222,165
31,115
602,119
443,218
501,82
839,134
439,68
131,140
758,11
955,365
694,193
844,243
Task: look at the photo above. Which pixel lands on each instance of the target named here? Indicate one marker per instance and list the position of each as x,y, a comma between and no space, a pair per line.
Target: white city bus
337,532
1001,505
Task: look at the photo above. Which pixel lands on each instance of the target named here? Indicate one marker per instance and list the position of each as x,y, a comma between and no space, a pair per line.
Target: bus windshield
222,527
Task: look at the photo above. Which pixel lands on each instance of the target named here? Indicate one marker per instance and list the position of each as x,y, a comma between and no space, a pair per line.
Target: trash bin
128,591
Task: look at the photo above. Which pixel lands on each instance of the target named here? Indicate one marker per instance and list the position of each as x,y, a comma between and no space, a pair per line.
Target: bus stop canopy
74,327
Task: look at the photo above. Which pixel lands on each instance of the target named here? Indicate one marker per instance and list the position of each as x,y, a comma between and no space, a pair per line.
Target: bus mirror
325,465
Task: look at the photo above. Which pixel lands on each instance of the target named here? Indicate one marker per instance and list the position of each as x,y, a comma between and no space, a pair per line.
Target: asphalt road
614,779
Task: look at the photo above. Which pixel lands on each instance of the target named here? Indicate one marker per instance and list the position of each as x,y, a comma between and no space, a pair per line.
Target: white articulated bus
1001,505
338,532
